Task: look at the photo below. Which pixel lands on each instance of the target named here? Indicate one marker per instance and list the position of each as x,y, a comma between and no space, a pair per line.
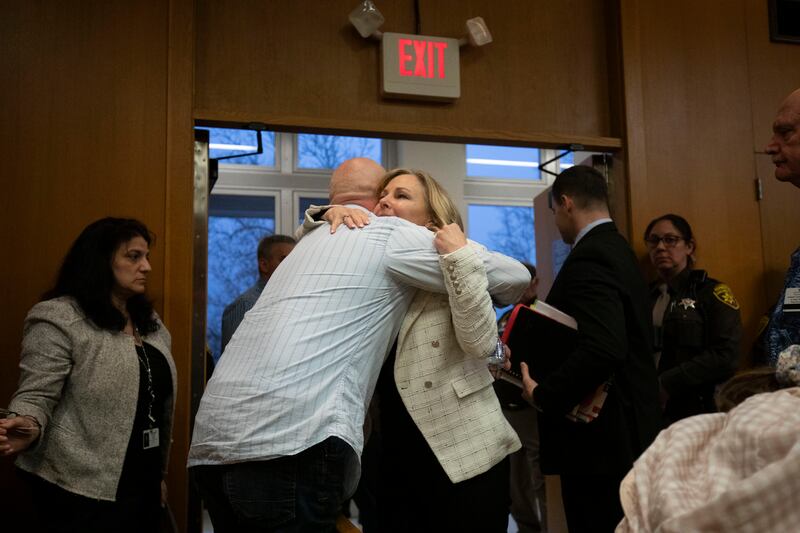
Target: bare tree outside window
505,229
515,236
328,151
232,265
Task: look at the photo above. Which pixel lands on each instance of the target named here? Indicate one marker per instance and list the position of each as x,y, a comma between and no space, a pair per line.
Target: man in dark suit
601,286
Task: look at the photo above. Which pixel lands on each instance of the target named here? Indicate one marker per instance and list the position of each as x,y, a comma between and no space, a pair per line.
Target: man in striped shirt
279,432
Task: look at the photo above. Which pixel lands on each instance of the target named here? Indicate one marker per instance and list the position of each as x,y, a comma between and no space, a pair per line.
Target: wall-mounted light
477,32
418,66
367,19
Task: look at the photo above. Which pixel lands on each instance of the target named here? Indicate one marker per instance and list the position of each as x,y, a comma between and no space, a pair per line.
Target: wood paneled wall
301,64
702,83
98,99
774,73
95,120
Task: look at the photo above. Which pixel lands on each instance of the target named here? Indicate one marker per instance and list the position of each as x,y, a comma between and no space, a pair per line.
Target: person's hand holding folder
528,384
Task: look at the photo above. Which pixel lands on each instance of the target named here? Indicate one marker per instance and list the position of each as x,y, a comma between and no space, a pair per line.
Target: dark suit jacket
601,286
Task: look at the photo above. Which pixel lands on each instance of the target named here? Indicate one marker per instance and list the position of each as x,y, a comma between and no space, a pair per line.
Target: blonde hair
440,206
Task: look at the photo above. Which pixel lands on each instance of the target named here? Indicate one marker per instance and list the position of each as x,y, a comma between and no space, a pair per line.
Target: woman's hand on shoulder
449,238
17,434
349,216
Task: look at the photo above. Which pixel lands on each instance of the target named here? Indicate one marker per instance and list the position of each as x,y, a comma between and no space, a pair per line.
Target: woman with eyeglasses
696,322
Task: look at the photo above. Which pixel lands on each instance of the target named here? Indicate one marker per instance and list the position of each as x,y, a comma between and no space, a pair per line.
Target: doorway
253,195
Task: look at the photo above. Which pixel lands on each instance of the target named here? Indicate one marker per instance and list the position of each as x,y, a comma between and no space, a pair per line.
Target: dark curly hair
86,275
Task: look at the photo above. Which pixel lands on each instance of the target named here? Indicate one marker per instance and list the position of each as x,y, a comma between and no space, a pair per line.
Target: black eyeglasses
670,241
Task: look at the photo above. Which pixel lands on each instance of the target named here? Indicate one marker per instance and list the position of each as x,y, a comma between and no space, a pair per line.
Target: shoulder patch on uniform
724,294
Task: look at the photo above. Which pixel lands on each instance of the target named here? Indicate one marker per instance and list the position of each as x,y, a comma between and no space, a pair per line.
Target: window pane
231,205
305,202
504,162
232,264
567,161
505,229
225,142
328,151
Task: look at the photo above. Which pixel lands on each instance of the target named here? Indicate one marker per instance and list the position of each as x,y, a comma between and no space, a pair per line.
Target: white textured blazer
441,373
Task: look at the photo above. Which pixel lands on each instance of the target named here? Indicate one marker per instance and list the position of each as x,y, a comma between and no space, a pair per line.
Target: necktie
661,305
659,309
780,334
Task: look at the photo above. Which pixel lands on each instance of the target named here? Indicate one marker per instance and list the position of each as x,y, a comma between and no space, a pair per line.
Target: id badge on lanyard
150,438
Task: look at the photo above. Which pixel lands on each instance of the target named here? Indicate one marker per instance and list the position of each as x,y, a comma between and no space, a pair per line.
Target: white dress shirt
303,364
589,227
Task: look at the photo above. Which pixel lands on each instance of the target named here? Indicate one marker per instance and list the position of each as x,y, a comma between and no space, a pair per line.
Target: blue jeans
291,494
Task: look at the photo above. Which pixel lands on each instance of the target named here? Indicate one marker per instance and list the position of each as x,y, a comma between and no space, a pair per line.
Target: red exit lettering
427,55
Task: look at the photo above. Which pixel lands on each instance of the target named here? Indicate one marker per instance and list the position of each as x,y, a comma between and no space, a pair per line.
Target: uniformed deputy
696,322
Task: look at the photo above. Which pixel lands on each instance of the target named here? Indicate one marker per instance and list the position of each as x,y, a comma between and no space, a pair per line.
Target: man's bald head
356,182
784,147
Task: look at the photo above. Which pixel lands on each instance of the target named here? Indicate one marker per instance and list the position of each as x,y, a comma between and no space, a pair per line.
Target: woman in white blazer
444,436
92,416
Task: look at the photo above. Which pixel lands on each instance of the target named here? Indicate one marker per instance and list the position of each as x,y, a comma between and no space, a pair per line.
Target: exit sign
420,67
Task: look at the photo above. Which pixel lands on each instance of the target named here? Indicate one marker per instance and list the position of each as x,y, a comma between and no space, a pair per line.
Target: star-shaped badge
686,303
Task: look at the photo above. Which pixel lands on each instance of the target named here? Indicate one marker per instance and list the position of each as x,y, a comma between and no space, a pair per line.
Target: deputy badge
687,303
723,293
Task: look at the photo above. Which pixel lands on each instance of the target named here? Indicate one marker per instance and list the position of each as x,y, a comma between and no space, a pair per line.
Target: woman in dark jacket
696,321
93,412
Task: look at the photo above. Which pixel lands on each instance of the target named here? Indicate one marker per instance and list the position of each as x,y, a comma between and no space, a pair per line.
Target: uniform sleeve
720,356
470,305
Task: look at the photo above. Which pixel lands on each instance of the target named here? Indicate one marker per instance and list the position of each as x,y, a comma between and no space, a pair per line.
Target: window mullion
287,225
287,143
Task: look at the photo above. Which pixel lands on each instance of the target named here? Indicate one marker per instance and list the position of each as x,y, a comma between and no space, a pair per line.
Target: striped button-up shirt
302,365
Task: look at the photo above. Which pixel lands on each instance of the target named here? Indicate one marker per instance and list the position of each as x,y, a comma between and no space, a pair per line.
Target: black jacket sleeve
602,342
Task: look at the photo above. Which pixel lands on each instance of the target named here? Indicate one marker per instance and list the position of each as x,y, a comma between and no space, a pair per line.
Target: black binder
537,335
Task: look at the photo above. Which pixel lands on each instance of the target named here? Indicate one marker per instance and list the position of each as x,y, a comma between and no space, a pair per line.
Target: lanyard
145,362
